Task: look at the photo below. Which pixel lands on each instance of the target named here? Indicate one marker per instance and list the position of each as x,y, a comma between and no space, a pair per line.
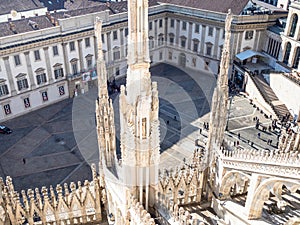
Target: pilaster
122,49
254,183
202,42
189,39
9,76
109,55
177,27
81,64
216,45
66,61
29,70
48,66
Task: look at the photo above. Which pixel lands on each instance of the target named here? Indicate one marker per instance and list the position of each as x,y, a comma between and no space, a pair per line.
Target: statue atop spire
104,110
138,32
219,112
218,116
101,68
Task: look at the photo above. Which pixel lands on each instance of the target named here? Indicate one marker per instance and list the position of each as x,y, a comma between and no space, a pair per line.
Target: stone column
9,76
48,65
203,31
216,45
189,39
66,62
254,183
29,70
81,65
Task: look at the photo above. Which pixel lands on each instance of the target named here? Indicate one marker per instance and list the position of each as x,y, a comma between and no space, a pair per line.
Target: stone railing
271,163
74,204
294,77
174,215
138,215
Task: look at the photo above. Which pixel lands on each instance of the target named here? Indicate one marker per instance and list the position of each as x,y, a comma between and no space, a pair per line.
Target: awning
248,54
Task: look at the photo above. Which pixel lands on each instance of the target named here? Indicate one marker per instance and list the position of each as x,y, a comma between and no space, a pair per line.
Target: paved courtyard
58,143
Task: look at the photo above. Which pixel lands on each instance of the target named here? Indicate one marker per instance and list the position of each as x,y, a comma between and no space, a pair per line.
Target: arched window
151,42
297,58
160,39
293,25
287,53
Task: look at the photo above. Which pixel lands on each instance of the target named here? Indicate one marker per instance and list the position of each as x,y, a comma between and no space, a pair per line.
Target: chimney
33,24
66,15
12,27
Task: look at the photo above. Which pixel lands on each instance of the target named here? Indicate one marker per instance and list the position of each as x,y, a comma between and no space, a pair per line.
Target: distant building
46,57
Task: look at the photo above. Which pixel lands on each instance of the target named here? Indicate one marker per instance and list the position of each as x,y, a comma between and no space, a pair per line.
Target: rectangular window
3,89
197,28
87,42
160,22
208,50
150,25
45,96
160,55
55,50
172,40
26,102
172,23
17,60
22,84
116,54
72,46
37,55
183,25
195,48
89,62
126,32
61,90
102,37
41,78
74,68
115,35
7,109
117,71
58,72
183,41
210,31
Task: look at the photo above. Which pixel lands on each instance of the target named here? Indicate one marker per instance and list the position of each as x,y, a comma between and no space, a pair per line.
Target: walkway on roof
248,54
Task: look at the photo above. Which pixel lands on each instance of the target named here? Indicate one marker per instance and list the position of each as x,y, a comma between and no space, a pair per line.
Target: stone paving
57,144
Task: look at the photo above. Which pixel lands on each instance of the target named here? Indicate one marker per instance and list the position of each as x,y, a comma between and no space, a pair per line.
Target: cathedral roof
212,5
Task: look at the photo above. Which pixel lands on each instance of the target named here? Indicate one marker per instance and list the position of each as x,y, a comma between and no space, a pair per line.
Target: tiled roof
18,5
23,25
53,4
222,6
115,7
